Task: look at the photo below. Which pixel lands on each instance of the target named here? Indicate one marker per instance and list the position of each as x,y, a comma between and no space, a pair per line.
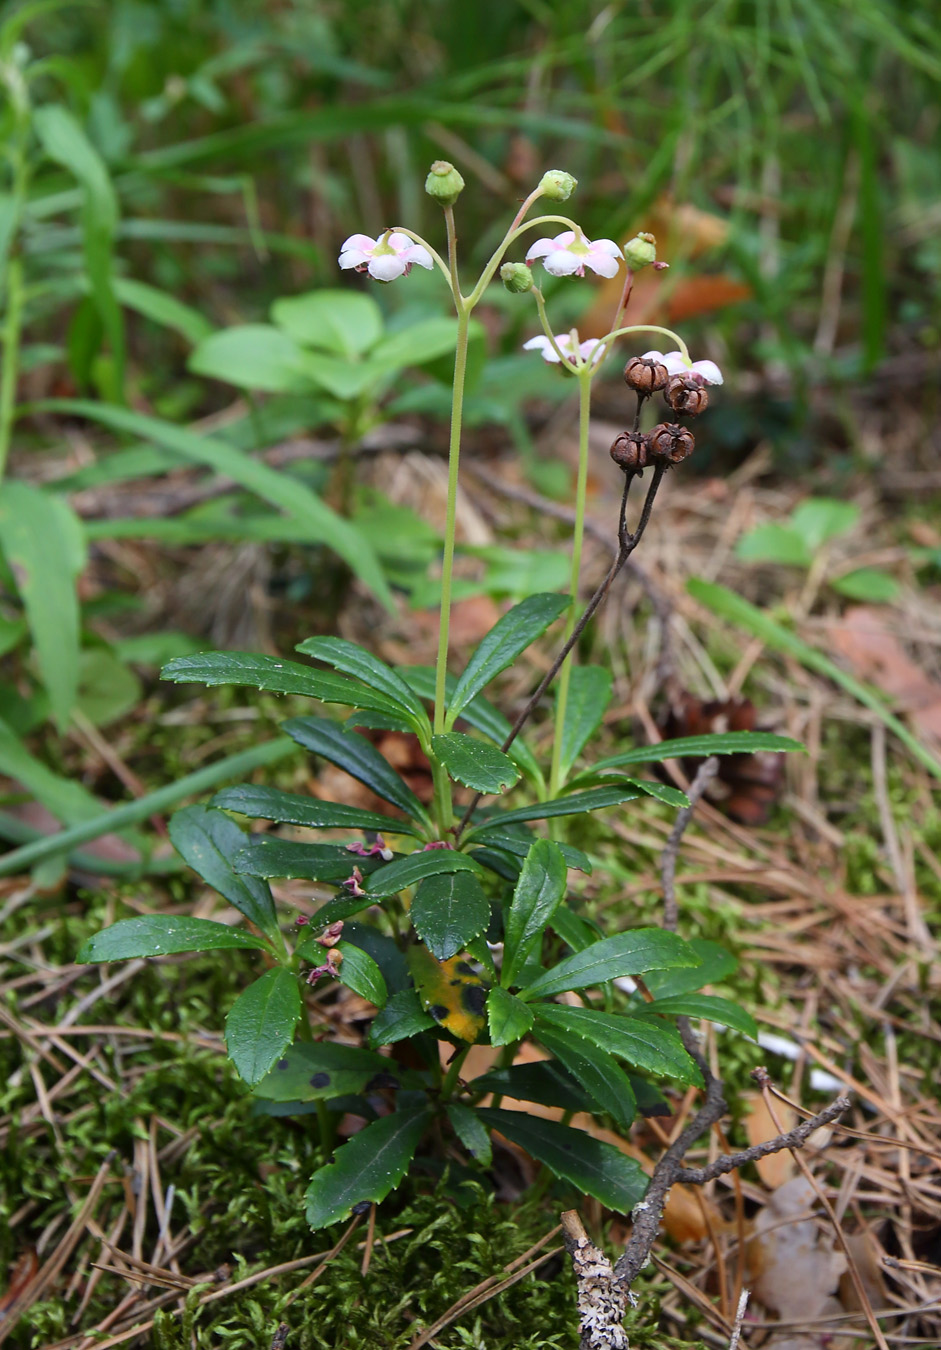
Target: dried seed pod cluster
683,386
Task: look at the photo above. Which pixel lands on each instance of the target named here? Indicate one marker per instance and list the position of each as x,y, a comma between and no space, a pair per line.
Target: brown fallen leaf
873,653
776,1168
793,1266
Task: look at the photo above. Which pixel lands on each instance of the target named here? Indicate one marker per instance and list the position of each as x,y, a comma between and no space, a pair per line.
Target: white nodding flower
568,254
385,258
707,372
568,345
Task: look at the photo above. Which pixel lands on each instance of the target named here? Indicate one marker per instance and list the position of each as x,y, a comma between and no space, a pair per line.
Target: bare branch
707,771
796,1138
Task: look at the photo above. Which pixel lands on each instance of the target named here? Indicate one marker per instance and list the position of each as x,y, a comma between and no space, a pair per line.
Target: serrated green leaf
318,1070
261,1023
359,972
352,659
471,1131
208,841
508,639
656,1049
448,910
589,694
707,1006
274,675
408,871
359,758
509,1018
595,1069
716,964
632,953
162,935
402,1017
367,1168
264,855
289,808
572,804
475,763
546,1082
720,743
519,846
595,1168
539,892
41,539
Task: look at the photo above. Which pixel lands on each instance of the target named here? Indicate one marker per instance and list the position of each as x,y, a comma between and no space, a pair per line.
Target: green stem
581,486
12,329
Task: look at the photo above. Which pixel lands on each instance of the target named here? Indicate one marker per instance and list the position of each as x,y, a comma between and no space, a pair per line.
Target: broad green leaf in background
720,600
631,953
509,1018
343,322
359,972
65,143
819,519
509,637
774,543
65,798
593,1167
403,872
290,808
867,584
261,1023
42,541
588,698
107,687
539,891
310,1071
162,308
352,659
475,763
469,1128
208,840
280,489
357,757
162,935
367,1168
415,345
252,356
448,910
595,1069
656,1049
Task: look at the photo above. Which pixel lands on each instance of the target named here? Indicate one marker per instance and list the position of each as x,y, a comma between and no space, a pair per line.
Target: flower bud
686,395
444,183
672,442
630,451
516,277
645,375
557,185
640,251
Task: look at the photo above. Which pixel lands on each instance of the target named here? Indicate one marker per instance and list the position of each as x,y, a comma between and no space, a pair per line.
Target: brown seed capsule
645,375
686,395
672,442
630,451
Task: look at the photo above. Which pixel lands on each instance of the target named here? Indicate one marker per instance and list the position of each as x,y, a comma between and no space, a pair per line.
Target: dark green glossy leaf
161,935
470,1129
631,953
396,876
573,804
261,1023
403,1016
509,637
519,846
367,1168
275,675
357,757
545,1082
595,1168
595,1069
448,910
318,1070
475,763
716,964
359,972
656,1049
383,951
508,1018
479,713
539,892
290,808
263,855
724,743
575,931
352,659
708,1006
208,841
588,697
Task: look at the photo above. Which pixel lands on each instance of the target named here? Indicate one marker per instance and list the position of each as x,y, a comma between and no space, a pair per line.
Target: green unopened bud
444,183
516,277
557,185
640,251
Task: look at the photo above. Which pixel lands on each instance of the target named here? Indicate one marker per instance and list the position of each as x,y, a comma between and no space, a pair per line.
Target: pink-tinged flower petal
543,345
360,241
602,263
418,254
354,257
564,239
399,241
675,364
707,371
607,246
539,249
561,263
589,352
387,266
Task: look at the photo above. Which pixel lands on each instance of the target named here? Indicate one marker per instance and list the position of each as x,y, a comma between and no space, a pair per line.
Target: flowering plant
452,919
